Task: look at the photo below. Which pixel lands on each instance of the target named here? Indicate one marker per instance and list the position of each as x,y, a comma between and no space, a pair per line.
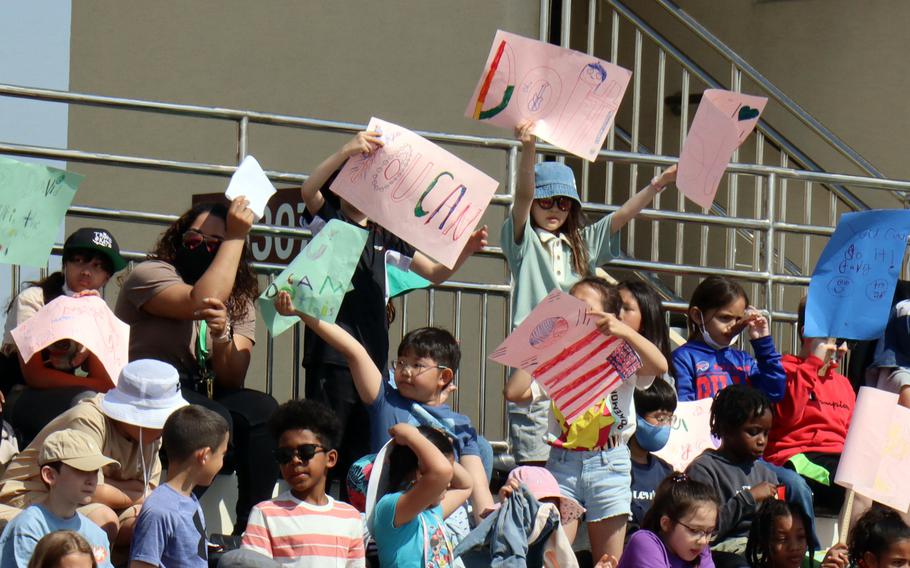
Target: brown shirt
21,484
166,339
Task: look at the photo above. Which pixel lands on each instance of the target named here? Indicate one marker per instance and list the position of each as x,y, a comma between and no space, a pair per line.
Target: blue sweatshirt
702,371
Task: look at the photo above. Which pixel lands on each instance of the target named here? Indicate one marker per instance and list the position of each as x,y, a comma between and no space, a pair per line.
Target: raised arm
438,273
367,378
435,474
518,387
460,490
39,376
524,191
640,200
653,363
182,301
362,143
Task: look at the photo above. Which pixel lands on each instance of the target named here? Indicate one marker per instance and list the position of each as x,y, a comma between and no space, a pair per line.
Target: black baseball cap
99,240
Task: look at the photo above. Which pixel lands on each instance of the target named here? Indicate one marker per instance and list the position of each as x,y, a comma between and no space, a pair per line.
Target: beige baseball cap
74,448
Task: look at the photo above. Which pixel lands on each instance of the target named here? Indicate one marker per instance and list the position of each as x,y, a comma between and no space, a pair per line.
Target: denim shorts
528,424
600,480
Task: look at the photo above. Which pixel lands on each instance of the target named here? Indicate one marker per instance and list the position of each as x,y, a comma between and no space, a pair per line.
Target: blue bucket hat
552,179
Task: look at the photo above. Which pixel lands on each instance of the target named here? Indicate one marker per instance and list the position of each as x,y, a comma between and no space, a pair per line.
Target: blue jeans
797,492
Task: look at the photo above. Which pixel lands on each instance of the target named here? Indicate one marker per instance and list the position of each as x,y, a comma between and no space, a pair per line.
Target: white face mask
706,337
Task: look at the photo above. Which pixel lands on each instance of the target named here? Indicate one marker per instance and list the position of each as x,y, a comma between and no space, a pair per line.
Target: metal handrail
781,97
773,134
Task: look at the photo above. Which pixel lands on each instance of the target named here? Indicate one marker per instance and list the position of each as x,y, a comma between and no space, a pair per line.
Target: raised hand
239,219
364,143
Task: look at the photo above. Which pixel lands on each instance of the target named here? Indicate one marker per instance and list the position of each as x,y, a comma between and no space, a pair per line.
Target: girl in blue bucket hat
548,245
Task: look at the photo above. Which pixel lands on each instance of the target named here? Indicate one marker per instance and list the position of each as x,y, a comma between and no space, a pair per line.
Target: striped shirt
295,533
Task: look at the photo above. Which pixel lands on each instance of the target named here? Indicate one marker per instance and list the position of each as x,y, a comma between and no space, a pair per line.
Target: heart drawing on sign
747,113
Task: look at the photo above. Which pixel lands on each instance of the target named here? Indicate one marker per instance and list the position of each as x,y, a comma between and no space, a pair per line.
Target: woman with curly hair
191,305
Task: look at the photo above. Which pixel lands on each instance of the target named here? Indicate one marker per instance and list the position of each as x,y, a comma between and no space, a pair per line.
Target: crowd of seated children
125,423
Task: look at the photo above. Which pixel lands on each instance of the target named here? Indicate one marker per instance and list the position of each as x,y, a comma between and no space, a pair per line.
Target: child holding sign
811,422
548,246
590,456
363,310
53,380
427,361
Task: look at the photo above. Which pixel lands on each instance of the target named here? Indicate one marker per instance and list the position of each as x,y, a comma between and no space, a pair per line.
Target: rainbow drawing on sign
479,113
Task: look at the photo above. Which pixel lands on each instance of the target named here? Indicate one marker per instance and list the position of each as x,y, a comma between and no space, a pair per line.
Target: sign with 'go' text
418,191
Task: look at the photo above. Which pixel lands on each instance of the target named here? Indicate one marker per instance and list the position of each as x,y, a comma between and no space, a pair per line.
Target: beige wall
410,62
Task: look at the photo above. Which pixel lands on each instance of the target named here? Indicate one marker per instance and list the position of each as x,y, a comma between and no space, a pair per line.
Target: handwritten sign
876,454
33,201
561,347
398,279
250,181
853,283
724,120
415,189
572,97
318,278
690,434
86,320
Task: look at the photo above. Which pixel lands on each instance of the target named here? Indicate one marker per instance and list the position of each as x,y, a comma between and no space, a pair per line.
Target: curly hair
306,415
734,406
246,286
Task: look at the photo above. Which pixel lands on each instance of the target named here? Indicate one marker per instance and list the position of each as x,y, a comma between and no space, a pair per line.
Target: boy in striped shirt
303,527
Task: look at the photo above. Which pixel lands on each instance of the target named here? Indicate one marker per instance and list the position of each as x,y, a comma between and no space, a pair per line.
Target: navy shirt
363,310
645,479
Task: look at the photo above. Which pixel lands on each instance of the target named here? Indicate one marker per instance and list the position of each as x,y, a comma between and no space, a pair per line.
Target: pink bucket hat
543,485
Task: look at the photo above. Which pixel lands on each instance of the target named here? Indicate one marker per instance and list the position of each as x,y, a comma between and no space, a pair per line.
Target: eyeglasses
663,418
546,203
699,534
304,452
416,368
193,238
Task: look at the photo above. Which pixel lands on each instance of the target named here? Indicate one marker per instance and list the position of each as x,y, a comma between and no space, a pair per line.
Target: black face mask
192,264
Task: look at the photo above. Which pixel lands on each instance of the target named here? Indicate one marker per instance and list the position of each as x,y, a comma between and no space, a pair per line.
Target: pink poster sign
724,120
427,196
876,456
573,97
561,347
690,434
86,320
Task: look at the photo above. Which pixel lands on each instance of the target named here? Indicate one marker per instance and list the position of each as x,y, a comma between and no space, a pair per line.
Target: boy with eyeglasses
428,359
654,408
302,527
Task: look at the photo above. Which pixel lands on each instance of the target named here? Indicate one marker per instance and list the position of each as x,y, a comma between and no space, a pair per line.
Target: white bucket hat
147,392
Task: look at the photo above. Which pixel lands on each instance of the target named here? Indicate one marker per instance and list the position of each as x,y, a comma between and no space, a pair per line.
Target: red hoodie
814,414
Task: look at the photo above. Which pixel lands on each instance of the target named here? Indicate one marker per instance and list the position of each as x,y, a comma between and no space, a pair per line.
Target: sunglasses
305,452
563,203
193,238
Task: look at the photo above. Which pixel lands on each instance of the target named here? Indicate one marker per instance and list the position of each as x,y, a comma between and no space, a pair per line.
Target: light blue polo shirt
543,261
